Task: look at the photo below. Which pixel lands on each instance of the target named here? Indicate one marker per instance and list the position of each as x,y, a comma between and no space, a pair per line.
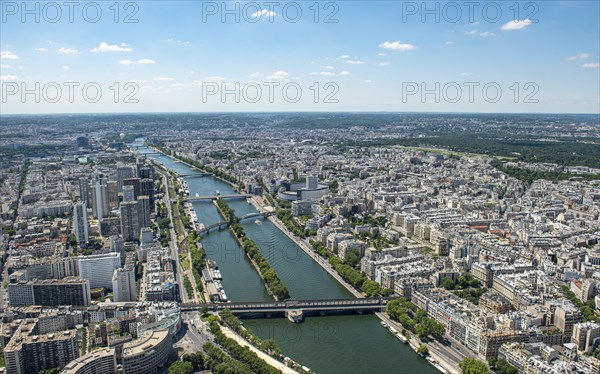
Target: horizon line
291,112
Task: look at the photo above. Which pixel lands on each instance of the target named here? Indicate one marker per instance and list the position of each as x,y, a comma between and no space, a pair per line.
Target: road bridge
286,306
219,225
215,197
256,215
194,175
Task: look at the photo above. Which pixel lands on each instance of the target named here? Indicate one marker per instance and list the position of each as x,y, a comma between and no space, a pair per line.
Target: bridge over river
294,309
215,197
224,224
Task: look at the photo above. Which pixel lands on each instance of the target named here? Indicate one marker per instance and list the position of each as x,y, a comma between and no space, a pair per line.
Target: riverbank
328,344
268,359
194,167
444,356
269,277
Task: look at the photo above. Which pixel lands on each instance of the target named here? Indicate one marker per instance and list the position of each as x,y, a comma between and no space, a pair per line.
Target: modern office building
147,355
147,189
27,353
99,269
84,190
80,224
117,245
130,220
50,292
123,172
145,209
128,193
135,183
113,194
100,361
123,285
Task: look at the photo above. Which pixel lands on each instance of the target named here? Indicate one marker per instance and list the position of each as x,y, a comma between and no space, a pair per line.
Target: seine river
349,343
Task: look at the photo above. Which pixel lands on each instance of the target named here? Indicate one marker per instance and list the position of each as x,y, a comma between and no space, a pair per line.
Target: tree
204,311
181,367
270,346
447,283
423,350
504,367
197,360
473,366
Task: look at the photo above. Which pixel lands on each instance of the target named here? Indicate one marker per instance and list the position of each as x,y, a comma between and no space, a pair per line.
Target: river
347,343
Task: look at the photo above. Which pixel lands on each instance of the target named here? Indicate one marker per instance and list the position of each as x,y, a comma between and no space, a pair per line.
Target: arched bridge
219,225
364,304
256,215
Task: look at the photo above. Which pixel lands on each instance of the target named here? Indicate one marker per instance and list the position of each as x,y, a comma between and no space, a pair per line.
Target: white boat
248,201
383,324
197,194
436,365
258,222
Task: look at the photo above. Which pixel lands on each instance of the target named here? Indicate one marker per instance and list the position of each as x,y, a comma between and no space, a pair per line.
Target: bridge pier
294,315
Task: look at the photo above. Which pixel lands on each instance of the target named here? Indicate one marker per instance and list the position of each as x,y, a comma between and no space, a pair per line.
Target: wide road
174,243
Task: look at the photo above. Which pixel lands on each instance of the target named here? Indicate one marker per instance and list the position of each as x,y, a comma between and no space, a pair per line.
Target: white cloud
105,47
327,67
8,78
178,41
464,74
66,51
214,78
354,62
449,42
581,56
65,67
590,65
143,61
256,74
385,63
368,81
8,55
327,73
382,54
261,13
279,74
345,72
5,66
516,25
146,61
163,79
397,46
41,49
482,33
343,57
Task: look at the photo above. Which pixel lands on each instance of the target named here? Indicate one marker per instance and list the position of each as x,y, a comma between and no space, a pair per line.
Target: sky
273,56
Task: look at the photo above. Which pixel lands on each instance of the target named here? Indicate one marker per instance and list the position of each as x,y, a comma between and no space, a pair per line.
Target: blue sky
378,56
